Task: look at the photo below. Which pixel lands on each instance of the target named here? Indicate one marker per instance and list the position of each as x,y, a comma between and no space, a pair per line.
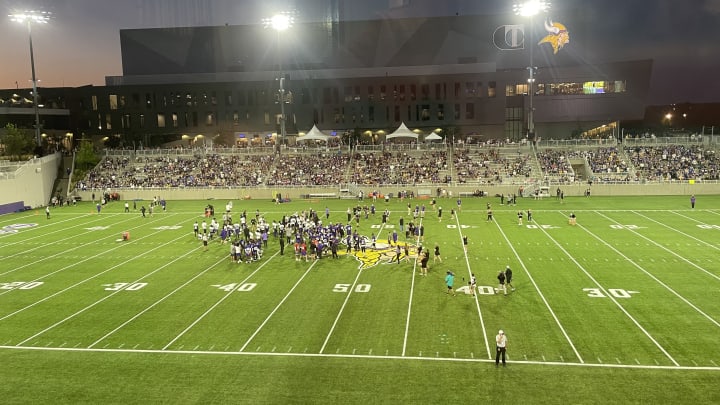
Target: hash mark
289,349
599,361
562,359
636,361
544,358
713,363
618,360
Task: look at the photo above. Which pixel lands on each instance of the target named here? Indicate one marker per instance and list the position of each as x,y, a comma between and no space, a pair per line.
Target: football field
624,306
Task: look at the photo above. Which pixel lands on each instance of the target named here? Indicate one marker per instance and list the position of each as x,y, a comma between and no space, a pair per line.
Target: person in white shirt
501,345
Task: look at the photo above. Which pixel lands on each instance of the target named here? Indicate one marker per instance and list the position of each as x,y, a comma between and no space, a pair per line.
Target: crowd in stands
606,164
555,163
167,171
484,166
675,162
398,168
309,170
489,166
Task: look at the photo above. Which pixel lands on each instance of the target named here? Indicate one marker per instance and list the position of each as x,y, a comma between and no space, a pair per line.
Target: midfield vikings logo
382,254
558,36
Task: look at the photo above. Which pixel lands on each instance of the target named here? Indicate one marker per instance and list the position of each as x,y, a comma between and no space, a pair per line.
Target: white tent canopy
314,135
402,132
433,137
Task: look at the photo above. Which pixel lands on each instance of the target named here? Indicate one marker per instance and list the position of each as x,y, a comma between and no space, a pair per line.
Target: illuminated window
491,89
108,121
94,103
113,98
161,120
175,120
425,114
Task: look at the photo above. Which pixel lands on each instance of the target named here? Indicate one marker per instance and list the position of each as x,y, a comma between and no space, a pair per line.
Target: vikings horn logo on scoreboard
557,36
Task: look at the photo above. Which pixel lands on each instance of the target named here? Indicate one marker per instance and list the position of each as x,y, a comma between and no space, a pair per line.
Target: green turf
622,307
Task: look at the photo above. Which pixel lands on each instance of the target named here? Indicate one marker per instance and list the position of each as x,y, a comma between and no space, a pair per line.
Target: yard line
76,284
610,296
158,301
665,249
542,296
337,318
44,235
226,296
66,251
678,231
43,246
412,293
358,357
115,292
278,306
477,301
667,287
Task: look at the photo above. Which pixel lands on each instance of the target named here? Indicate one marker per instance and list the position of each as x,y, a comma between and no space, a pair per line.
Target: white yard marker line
610,296
682,258
340,312
76,284
278,306
470,272
44,235
542,296
94,242
681,232
226,296
639,267
111,295
158,301
412,294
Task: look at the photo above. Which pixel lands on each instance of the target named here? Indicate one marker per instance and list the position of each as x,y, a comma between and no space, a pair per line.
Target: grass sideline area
622,307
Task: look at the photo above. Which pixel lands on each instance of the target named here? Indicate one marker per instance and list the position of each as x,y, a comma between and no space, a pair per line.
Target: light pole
30,17
280,22
530,9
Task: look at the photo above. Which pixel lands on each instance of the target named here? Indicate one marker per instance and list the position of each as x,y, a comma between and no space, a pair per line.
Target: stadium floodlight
530,9
280,22
29,18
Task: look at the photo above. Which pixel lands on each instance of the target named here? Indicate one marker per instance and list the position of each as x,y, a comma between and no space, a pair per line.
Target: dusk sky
81,44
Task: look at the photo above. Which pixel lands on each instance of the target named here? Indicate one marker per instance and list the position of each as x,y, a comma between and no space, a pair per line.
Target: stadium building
465,74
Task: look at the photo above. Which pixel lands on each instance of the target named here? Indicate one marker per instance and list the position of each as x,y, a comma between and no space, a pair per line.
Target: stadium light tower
30,18
280,22
529,9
